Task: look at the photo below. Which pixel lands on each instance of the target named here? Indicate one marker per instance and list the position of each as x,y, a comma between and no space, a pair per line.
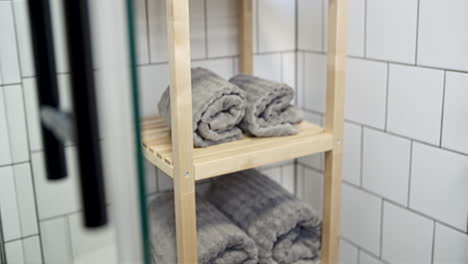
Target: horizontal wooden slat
246,153
260,155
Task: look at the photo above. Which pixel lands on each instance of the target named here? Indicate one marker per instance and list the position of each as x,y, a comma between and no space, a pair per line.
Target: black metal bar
85,111
47,87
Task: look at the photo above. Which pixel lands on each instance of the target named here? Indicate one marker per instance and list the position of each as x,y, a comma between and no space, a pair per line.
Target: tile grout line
205,21
403,207
390,133
403,63
433,242
361,163
303,79
387,90
296,26
10,84
323,25
257,26
365,29
391,62
69,238
466,223
7,121
444,89
20,238
309,167
296,53
20,219
381,228
14,164
15,25
281,67
31,172
148,33
36,207
362,249
410,172
417,34
2,243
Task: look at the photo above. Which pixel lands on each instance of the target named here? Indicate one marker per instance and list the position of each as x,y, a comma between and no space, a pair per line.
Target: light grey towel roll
285,229
218,106
269,111
219,240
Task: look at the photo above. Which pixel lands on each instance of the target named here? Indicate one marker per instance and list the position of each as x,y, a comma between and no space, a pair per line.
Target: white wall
405,164
405,177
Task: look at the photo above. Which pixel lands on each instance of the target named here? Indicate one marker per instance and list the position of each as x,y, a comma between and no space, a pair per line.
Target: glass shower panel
68,92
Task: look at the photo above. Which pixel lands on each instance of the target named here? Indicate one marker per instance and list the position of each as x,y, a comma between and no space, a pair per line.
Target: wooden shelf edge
207,167
251,159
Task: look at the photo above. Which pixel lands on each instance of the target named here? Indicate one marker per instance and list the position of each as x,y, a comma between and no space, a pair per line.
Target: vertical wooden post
337,35
246,37
178,28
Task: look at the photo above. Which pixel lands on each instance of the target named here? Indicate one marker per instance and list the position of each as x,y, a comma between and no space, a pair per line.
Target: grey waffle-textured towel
218,106
269,110
219,240
285,229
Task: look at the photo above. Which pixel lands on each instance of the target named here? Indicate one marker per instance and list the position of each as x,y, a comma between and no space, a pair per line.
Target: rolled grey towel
285,229
219,240
218,107
269,111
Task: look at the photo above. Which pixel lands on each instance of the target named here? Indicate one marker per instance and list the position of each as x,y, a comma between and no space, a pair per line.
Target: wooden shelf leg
246,37
337,34
178,28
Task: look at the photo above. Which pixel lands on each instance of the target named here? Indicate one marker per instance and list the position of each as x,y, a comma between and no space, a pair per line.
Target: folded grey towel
218,106
269,110
219,240
285,229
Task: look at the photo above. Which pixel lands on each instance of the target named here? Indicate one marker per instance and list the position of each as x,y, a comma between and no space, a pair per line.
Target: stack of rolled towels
245,217
222,110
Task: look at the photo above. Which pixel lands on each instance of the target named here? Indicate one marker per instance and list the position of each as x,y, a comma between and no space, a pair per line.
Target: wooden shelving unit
171,149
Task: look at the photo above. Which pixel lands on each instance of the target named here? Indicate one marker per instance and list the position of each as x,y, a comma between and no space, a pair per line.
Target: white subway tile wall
455,127
386,163
415,97
348,253
443,34
352,153
365,258
450,246
276,25
56,244
310,25
391,30
445,199
366,83
9,64
406,236
356,29
16,123
405,152
361,218
405,135
25,199
24,38
312,79
14,252
32,250
8,205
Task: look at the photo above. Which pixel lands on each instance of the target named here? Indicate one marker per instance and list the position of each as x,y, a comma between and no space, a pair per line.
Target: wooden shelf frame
172,149
249,152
